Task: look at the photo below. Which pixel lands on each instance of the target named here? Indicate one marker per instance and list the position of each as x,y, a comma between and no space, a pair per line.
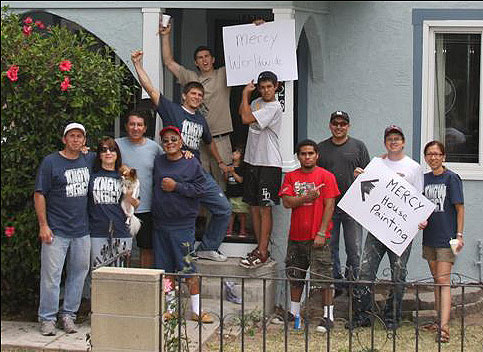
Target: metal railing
180,341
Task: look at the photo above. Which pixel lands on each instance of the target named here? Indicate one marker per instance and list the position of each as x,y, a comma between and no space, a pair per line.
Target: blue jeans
374,251
75,252
353,244
218,205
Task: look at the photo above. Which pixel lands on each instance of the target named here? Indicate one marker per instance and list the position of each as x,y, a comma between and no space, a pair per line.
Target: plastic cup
454,245
165,20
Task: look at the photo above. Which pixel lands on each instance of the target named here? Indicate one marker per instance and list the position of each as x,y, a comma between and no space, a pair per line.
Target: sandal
432,326
444,336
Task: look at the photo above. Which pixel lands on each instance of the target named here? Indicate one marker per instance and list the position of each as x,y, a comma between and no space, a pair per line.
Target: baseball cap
341,114
170,128
74,126
267,76
393,129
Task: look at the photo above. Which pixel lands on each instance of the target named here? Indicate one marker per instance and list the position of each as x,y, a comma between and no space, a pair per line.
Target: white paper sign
251,49
386,205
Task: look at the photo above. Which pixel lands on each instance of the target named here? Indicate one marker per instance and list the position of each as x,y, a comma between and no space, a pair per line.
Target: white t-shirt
410,170
263,147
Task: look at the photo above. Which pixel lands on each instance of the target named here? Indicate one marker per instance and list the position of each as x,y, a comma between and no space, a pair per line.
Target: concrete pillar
127,306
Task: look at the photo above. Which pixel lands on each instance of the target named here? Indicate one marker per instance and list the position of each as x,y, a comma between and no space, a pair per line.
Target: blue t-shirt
444,191
64,184
193,127
105,212
181,206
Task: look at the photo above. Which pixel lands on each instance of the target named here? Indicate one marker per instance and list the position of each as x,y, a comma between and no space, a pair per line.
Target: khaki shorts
238,205
301,255
438,254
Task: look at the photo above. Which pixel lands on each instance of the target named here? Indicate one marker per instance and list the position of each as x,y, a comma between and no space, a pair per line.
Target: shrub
50,77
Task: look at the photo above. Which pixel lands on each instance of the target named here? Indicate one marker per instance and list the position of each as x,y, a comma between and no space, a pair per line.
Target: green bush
50,77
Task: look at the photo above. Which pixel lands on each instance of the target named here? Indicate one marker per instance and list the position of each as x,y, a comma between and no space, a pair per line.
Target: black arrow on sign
367,187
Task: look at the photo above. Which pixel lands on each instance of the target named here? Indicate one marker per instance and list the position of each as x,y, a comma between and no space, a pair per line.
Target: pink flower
28,20
65,65
40,24
27,30
9,231
167,285
65,84
12,73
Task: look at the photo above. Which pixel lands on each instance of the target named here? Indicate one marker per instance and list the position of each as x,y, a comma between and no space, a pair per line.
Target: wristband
459,234
321,234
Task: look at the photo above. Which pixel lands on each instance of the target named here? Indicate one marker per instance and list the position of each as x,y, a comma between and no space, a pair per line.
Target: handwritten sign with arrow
386,205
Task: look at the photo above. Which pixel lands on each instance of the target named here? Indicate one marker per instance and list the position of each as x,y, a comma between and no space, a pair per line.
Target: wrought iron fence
177,339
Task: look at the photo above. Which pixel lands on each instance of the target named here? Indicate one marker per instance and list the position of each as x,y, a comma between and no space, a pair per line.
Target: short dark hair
193,84
139,114
111,144
438,143
304,143
201,48
267,76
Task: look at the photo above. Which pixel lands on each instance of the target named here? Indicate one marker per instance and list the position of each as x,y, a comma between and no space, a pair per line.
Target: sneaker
47,328
205,318
325,325
279,319
230,294
217,256
254,261
68,325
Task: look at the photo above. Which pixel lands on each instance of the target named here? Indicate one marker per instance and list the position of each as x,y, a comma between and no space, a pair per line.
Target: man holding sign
374,249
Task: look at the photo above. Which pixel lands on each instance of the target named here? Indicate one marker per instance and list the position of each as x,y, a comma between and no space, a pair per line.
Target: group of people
78,195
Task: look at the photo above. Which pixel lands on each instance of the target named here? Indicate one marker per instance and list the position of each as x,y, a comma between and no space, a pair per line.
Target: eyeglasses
434,155
397,139
107,149
339,124
173,139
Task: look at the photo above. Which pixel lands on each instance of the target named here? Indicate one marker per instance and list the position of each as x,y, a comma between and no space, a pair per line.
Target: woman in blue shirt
445,189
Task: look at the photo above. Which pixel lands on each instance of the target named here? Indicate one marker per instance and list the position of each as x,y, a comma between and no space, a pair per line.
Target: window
452,87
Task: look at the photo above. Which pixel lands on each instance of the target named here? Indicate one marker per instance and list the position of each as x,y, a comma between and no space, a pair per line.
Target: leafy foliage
50,76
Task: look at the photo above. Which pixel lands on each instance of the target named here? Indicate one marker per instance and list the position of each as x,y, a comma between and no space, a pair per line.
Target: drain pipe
480,257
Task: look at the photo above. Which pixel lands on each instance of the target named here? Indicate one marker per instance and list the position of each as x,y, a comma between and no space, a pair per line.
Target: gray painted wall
367,59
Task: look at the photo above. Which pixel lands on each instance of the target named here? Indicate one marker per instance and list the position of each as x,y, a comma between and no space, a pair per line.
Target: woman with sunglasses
110,235
445,189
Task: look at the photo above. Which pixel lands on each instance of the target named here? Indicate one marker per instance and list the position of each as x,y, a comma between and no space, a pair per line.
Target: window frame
467,171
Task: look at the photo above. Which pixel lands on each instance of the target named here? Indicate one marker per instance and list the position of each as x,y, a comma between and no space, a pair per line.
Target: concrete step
231,268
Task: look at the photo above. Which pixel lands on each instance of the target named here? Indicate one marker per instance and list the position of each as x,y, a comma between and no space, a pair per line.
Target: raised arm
167,53
137,60
245,111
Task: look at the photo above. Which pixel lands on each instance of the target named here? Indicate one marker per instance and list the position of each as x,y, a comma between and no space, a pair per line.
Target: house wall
367,59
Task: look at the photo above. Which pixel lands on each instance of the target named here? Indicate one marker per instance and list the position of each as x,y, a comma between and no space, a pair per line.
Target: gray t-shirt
342,160
263,146
141,157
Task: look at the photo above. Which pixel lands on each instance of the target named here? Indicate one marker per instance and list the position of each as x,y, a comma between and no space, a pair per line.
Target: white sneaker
217,256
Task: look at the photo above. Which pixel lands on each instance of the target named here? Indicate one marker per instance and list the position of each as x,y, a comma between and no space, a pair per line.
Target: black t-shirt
234,188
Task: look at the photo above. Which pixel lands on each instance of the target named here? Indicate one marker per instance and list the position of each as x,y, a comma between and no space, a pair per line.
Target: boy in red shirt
310,192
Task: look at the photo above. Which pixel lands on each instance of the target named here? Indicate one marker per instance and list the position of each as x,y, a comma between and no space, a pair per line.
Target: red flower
12,73
167,285
65,65
65,84
40,24
28,20
9,231
27,30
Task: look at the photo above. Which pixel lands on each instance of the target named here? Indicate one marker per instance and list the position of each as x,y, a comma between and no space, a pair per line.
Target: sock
329,312
295,308
195,304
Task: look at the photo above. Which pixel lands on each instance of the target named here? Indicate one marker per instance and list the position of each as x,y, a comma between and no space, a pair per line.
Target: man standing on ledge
341,155
60,200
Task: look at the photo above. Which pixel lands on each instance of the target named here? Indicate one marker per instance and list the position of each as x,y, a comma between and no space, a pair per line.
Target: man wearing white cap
60,200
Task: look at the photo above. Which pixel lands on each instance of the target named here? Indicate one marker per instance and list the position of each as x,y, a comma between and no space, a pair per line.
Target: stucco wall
367,59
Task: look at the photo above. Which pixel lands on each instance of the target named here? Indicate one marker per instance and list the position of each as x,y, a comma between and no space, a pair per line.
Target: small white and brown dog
130,183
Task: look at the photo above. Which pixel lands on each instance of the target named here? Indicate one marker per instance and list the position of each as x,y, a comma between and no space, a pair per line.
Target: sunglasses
107,149
172,139
339,124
